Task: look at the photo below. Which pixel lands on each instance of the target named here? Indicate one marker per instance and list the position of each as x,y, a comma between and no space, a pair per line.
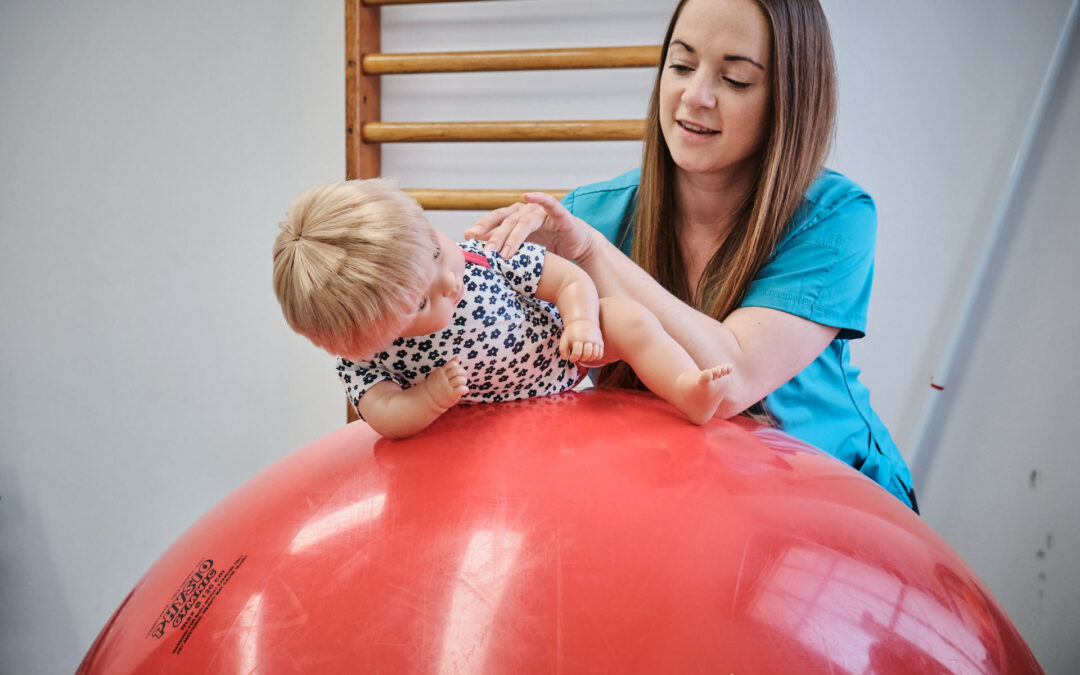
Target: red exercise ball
593,532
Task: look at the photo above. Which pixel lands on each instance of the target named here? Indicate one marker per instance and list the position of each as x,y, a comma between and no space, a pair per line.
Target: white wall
146,152
148,149
1006,478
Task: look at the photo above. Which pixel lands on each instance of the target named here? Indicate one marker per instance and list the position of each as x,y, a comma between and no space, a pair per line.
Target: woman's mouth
696,129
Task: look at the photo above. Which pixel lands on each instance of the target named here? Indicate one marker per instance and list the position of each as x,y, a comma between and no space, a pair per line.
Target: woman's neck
707,204
705,212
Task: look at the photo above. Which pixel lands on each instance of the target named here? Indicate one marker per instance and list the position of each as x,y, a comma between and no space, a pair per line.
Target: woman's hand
542,219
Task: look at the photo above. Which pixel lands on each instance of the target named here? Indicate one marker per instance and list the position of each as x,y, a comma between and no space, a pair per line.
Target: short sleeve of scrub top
823,269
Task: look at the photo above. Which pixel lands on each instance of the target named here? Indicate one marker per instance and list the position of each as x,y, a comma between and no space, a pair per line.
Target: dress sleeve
358,377
522,272
823,269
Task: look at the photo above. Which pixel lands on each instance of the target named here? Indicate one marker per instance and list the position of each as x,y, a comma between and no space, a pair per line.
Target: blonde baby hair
345,265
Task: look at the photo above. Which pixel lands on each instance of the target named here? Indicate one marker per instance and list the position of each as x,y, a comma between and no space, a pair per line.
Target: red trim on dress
477,259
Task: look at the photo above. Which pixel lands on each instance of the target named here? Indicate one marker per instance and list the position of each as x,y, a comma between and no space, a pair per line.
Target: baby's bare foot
702,391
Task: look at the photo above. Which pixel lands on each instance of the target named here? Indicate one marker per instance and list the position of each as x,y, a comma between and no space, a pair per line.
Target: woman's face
714,88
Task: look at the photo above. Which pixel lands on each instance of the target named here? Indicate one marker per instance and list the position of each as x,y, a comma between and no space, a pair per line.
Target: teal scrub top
822,271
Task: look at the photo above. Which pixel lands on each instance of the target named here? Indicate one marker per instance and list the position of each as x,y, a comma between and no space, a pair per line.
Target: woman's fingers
569,235
490,221
540,216
517,235
553,207
514,230
496,227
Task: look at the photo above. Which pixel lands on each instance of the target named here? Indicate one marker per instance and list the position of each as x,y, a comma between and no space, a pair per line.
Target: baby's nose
449,283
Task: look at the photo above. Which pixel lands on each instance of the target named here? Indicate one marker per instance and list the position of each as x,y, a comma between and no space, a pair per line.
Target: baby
420,323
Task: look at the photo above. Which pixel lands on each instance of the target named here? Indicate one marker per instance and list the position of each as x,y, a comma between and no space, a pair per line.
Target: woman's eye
680,68
736,84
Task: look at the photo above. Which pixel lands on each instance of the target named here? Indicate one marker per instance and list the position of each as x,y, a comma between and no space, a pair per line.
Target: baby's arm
573,292
396,413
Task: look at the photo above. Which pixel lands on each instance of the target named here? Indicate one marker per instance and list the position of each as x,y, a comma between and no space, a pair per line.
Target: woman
741,243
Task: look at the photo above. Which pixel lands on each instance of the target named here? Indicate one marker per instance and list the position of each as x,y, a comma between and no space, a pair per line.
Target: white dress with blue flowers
507,338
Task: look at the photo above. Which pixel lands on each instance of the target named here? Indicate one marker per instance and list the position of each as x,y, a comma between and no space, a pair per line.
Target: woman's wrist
593,241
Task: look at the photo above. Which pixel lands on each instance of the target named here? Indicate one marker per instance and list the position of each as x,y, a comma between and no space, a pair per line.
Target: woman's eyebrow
727,57
682,44
735,57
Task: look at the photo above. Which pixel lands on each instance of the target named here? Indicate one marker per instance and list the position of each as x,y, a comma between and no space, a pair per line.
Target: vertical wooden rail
362,101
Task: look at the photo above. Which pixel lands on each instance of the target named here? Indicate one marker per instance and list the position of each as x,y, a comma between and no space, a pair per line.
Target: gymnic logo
185,599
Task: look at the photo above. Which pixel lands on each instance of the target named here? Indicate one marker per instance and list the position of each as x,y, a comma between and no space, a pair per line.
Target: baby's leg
633,334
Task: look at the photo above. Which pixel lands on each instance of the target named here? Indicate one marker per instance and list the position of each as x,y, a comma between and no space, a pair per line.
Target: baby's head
346,266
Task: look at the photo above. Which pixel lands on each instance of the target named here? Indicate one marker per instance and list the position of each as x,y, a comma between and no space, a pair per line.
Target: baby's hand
447,384
581,341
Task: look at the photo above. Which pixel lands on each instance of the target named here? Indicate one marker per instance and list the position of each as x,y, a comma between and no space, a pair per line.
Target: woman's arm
767,346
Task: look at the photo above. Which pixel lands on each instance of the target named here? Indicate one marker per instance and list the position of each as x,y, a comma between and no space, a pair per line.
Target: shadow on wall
44,604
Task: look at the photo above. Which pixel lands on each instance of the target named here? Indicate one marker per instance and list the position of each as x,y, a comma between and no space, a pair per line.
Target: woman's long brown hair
803,112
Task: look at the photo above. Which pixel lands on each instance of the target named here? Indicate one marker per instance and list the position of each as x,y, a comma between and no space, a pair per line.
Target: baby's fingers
452,370
576,350
592,351
456,378
450,383
459,388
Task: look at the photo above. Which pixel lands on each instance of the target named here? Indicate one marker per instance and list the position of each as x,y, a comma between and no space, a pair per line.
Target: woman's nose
699,91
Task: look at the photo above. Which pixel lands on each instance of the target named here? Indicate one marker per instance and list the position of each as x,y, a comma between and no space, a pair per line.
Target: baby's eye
423,304
438,252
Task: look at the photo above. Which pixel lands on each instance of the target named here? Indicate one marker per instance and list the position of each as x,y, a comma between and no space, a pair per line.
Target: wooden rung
518,59
472,200
584,130
376,3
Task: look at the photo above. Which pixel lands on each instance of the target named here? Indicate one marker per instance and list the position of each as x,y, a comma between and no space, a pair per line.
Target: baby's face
445,272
